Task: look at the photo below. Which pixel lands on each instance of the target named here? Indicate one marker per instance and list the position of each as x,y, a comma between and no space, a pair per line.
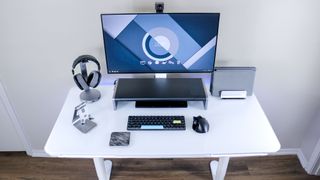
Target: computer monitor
160,42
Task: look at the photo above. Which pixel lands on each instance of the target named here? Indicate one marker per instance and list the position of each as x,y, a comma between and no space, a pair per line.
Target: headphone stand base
90,95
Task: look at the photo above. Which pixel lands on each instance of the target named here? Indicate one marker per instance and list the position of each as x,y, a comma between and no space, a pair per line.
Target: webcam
159,6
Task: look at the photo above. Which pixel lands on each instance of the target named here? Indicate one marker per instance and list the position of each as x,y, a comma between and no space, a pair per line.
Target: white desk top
237,128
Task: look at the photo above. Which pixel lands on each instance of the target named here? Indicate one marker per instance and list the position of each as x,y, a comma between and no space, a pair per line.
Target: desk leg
103,168
219,168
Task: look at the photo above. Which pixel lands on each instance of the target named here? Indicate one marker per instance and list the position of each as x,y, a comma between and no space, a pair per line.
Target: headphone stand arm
83,69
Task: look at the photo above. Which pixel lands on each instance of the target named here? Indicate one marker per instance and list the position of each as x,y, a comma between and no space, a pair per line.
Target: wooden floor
21,166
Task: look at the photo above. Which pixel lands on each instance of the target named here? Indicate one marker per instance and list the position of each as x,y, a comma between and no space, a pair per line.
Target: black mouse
200,124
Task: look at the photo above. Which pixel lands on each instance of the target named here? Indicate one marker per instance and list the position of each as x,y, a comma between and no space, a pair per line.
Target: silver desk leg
115,103
219,168
205,104
103,168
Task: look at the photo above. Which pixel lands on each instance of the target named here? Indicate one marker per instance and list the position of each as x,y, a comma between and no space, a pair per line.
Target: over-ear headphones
82,80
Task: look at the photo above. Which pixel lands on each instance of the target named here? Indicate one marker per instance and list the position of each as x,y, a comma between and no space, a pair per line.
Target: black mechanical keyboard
156,123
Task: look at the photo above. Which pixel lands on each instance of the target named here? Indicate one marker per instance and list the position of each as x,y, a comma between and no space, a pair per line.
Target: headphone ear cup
94,79
80,81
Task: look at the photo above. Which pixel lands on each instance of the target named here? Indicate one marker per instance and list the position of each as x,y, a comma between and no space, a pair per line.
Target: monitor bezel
158,72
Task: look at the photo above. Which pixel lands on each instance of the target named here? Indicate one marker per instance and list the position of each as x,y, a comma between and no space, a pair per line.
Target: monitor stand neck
160,75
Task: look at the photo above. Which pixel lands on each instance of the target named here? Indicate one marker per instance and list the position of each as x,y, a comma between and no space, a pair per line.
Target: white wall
40,39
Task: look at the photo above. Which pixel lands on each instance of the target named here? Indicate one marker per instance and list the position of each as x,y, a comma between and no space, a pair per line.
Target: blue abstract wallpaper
149,43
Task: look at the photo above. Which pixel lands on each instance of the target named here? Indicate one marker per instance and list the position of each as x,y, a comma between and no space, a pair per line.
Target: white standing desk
237,128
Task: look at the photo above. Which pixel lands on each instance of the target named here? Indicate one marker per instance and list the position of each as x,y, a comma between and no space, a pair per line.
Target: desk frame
218,168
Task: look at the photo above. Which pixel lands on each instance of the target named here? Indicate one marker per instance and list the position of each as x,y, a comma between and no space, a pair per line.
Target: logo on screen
160,44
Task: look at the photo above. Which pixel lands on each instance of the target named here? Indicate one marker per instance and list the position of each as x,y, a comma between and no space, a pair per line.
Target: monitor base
161,104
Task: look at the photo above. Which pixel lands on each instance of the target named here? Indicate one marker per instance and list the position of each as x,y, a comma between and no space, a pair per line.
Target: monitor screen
160,43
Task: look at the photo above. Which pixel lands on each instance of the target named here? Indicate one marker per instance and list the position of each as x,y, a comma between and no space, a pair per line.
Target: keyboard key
151,127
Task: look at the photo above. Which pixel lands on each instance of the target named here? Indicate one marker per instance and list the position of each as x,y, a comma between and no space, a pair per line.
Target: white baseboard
39,153
287,151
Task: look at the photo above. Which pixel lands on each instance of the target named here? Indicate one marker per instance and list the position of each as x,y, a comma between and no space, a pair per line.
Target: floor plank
17,165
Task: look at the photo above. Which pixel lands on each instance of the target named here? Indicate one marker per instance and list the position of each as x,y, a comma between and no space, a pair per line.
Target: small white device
233,94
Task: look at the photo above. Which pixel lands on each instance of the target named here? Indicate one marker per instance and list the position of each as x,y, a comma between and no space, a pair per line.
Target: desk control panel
156,123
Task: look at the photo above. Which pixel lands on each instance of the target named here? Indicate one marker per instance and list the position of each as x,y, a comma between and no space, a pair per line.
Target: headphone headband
85,59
